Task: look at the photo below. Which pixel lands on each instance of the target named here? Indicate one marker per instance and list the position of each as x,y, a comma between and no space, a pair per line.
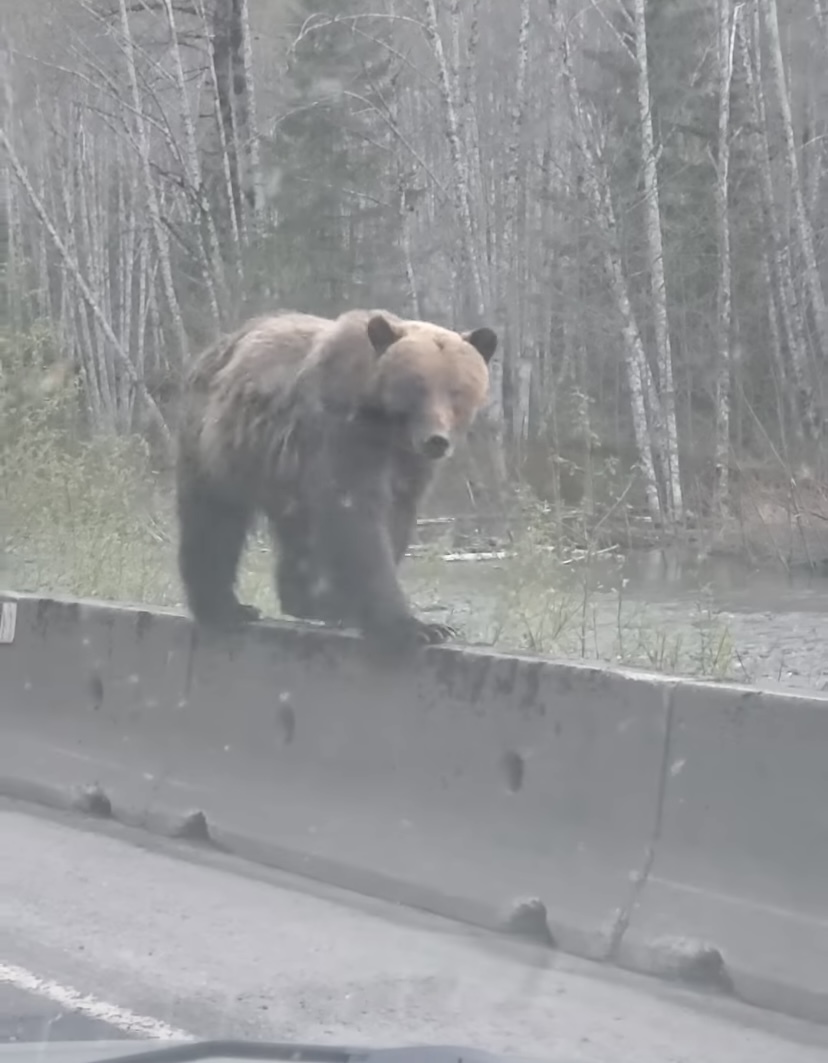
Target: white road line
122,1018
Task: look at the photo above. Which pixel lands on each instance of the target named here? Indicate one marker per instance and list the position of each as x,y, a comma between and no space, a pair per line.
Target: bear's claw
412,633
432,633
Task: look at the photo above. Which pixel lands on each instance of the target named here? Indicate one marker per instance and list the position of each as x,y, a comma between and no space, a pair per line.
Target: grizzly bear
334,430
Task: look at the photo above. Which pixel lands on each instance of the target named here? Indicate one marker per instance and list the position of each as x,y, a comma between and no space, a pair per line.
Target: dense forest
632,192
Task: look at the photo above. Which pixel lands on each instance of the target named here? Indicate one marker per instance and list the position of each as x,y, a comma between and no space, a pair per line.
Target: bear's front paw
433,633
247,614
230,616
408,633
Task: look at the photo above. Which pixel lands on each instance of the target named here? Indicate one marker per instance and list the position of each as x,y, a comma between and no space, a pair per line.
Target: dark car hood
91,1051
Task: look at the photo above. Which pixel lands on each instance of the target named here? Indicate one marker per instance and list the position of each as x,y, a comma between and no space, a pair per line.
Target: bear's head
430,381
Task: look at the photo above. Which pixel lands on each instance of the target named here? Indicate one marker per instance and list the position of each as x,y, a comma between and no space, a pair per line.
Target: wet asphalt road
209,946
31,1017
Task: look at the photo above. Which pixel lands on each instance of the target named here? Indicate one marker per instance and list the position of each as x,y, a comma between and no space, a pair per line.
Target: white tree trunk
77,317
211,265
158,229
801,221
821,15
227,169
668,428
410,275
459,159
126,248
253,152
790,315
726,42
469,131
635,361
99,352
15,258
514,246
786,404
462,198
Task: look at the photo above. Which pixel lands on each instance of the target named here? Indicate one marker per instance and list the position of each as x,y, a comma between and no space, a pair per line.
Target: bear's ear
484,340
381,333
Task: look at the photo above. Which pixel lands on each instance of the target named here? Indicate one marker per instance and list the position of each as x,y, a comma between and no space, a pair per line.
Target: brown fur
300,416
229,415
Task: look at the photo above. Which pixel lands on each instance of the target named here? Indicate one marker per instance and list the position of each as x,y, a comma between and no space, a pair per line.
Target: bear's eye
407,392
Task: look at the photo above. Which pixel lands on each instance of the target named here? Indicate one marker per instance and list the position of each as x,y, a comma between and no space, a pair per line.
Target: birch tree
725,49
802,222
637,370
212,268
447,80
144,149
248,120
801,397
461,182
513,249
666,408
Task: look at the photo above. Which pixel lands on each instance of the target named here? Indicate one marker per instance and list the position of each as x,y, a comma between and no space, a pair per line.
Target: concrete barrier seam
640,879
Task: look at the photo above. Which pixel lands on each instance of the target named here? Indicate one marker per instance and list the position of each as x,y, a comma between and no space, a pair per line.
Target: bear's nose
436,446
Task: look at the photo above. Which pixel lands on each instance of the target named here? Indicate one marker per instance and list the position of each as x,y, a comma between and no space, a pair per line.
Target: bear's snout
436,446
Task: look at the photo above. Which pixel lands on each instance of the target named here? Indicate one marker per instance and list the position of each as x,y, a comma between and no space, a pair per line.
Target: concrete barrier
669,826
741,857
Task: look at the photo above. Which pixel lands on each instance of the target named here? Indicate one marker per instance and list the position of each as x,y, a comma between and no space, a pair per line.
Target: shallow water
718,616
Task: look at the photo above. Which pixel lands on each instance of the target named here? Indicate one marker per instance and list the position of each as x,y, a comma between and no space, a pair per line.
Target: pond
665,608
